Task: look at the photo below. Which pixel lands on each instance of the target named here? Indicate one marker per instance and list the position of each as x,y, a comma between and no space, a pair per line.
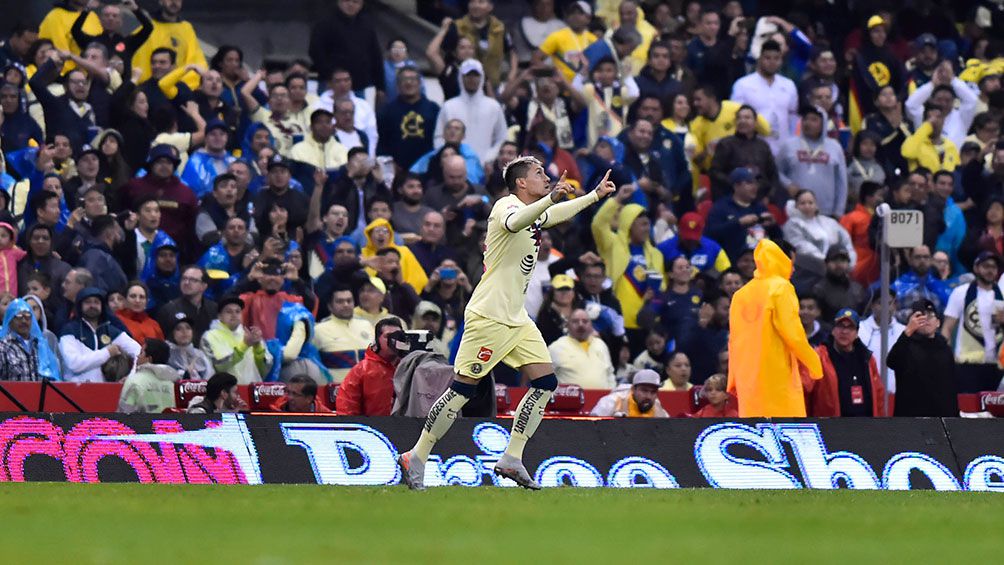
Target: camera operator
368,388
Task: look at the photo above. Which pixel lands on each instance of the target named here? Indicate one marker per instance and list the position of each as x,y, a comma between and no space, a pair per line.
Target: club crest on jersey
485,354
476,369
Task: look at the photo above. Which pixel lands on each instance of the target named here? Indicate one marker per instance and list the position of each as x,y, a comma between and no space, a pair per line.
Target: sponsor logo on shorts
485,354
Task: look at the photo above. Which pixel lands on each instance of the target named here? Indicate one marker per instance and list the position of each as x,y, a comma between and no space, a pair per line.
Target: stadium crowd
165,216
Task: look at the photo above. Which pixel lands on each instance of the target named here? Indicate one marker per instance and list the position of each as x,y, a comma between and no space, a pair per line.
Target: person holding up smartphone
924,365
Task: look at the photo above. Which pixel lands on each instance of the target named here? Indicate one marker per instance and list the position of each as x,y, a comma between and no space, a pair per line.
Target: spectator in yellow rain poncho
767,341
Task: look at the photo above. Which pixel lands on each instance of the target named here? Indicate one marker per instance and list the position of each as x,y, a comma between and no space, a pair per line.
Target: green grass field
129,523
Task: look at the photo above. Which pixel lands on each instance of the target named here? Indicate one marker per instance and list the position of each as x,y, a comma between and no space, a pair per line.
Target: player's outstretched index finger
606,177
561,181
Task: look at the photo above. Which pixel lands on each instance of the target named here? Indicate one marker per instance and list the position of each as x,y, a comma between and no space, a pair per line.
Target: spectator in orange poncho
767,340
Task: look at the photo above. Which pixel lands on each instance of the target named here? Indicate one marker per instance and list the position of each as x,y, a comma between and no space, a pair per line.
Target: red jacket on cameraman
368,388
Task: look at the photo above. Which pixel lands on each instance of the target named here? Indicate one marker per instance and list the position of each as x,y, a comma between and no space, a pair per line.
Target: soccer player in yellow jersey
496,324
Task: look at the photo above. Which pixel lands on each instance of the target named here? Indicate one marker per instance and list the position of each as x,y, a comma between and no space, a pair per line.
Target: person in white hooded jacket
482,116
812,234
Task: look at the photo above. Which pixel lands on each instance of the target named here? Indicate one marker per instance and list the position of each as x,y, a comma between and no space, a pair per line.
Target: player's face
536,182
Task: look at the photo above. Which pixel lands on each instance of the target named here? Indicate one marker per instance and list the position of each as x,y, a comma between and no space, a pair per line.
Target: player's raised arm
528,182
567,210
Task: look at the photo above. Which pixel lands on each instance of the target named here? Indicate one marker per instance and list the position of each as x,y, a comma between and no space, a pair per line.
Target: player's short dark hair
218,384
387,251
517,169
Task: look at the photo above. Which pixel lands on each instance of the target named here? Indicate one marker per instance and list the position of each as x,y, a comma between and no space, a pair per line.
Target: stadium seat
186,390
503,405
265,395
568,399
992,402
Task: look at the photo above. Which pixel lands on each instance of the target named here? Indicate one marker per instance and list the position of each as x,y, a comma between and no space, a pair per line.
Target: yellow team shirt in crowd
509,261
179,36
342,344
564,46
706,131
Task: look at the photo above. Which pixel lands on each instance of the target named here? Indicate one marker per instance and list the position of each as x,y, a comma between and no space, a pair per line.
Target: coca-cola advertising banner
897,454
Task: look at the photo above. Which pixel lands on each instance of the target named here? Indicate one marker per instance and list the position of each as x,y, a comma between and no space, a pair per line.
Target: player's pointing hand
606,186
562,189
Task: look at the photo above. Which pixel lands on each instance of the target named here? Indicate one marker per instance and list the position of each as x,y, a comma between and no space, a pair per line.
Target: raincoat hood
44,322
767,342
466,67
370,249
48,364
771,261
91,292
628,214
160,241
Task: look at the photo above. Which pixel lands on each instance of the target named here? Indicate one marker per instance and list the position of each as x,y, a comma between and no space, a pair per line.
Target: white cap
471,65
585,7
646,377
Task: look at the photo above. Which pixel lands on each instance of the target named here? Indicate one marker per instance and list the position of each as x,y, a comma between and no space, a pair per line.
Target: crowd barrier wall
894,454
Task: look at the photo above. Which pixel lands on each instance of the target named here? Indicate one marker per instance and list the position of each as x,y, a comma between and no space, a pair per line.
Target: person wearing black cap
813,161
925,367
213,159
280,192
319,148
178,204
979,306
921,67
850,385
738,221
88,165
150,389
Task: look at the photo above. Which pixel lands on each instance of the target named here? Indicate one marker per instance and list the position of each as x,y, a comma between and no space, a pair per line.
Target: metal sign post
900,228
